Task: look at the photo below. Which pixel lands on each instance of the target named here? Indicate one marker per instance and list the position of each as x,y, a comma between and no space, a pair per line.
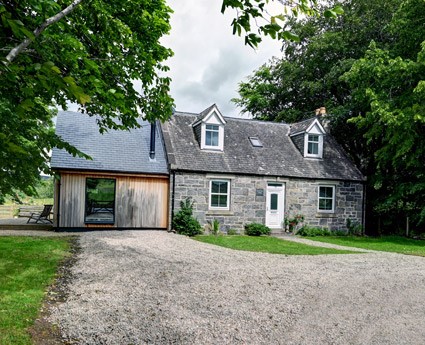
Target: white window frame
220,145
216,129
210,195
319,198
319,154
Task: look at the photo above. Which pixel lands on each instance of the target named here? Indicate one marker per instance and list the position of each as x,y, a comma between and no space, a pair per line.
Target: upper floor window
212,133
209,129
313,145
326,199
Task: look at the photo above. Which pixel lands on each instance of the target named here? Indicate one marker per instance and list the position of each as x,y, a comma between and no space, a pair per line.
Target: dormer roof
307,126
207,114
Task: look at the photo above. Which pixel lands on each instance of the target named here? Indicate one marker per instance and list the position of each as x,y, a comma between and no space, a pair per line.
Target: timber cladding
140,201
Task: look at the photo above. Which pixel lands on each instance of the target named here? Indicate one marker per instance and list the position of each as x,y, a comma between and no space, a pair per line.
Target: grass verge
395,244
266,244
27,267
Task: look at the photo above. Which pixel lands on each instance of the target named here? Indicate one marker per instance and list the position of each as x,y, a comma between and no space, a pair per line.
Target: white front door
275,204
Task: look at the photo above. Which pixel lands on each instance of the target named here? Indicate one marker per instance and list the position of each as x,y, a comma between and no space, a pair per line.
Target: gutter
172,199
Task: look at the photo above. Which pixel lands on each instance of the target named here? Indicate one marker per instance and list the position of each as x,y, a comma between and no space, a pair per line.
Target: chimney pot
317,111
322,111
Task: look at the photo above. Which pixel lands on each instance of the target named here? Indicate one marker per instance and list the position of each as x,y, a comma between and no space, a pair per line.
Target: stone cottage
240,171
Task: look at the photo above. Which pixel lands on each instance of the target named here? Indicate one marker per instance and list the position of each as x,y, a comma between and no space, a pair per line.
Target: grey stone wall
301,196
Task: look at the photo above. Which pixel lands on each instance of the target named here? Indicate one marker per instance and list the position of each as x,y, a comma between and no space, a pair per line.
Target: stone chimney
320,111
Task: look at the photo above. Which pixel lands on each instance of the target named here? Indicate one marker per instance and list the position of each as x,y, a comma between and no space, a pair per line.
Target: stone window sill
219,213
326,215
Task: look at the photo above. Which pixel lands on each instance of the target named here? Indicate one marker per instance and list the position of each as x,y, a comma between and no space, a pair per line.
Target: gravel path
158,288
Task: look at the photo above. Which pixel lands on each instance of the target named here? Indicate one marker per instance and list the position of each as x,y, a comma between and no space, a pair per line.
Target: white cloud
209,61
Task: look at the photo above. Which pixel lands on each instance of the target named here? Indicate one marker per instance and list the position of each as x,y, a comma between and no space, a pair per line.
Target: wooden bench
28,210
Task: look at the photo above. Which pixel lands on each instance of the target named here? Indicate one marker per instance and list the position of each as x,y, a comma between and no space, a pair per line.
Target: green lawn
394,244
27,266
267,245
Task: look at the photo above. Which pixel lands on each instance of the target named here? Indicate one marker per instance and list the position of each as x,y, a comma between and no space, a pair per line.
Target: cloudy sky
208,61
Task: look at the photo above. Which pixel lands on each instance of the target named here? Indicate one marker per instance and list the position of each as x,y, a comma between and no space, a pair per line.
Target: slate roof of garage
113,151
278,156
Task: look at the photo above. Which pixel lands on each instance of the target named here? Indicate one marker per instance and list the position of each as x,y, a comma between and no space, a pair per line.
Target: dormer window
212,134
313,140
209,129
312,144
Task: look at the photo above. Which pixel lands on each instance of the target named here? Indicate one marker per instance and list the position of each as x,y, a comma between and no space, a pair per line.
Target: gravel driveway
158,288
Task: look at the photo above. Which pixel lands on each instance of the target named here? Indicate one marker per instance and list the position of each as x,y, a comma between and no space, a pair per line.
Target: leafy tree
380,85
85,51
254,20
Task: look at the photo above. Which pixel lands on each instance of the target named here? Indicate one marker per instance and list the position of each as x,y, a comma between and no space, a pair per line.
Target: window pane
314,138
326,192
329,192
223,187
215,187
313,148
211,135
222,201
214,139
214,200
325,204
273,202
212,127
100,200
326,197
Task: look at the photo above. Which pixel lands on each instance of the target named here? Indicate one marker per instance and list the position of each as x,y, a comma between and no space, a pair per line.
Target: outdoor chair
42,217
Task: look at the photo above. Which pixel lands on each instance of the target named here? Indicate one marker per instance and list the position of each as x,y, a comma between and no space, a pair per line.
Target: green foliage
92,57
291,223
354,228
183,222
232,232
257,229
267,244
313,231
28,266
214,227
368,68
253,15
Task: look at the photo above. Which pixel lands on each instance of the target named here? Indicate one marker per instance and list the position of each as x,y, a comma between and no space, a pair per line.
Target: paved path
158,288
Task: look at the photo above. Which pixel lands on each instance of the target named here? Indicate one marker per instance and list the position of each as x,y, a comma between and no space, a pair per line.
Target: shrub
232,232
354,228
256,229
339,233
184,223
313,231
214,227
291,223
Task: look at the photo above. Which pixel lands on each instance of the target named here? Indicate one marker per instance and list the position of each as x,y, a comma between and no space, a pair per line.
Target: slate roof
278,156
113,151
300,127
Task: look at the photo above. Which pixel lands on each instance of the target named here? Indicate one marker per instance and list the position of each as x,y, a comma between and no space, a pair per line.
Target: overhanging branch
37,32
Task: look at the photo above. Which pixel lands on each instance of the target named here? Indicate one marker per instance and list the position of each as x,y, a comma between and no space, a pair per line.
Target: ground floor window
100,201
219,194
326,199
